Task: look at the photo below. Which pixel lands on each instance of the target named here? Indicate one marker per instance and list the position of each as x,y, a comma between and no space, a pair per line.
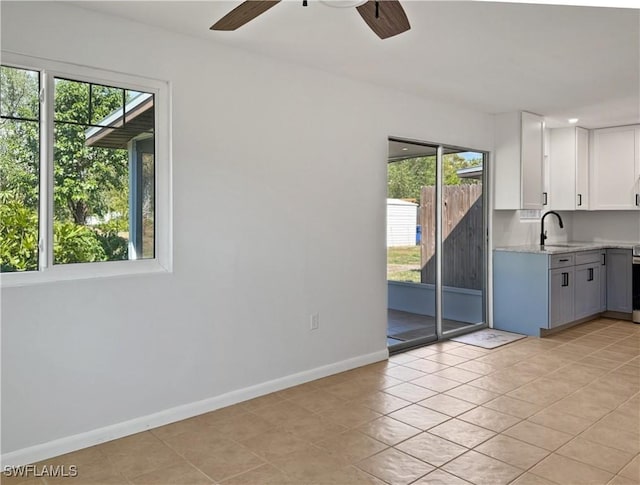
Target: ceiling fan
385,17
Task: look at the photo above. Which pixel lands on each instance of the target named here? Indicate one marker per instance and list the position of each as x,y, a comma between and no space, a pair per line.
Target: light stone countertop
568,247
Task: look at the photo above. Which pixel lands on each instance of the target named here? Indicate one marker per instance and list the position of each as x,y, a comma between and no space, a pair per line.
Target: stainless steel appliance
636,284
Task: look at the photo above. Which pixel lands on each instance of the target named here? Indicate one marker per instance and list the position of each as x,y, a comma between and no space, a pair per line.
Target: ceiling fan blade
390,20
243,13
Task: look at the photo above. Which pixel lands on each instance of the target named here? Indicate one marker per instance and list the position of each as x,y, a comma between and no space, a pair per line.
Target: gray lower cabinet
603,280
561,296
520,292
619,280
587,290
534,291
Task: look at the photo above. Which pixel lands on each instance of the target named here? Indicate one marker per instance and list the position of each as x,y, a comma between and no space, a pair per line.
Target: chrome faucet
543,233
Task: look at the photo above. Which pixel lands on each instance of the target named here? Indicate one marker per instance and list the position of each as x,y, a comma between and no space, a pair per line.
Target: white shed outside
401,222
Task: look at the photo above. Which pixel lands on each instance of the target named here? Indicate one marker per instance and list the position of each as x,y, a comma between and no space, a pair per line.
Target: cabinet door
582,169
561,296
636,189
613,181
562,168
532,127
603,281
619,280
587,290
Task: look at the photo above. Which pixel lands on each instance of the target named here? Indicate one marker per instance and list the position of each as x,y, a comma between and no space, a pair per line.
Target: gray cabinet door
603,281
619,277
587,290
561,296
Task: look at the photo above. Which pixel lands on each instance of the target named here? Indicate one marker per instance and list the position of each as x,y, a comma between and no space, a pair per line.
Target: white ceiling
558,61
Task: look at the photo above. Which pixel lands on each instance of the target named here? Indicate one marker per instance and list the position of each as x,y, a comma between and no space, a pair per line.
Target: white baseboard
76,442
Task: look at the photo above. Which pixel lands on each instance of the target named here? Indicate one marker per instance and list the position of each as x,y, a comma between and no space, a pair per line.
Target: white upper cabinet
518,161
568,166
532,161
615,168
582,169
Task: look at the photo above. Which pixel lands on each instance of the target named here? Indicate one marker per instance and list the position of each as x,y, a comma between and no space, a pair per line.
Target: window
81,181
19,169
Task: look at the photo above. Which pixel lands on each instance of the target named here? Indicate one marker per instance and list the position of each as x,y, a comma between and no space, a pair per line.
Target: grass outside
403,263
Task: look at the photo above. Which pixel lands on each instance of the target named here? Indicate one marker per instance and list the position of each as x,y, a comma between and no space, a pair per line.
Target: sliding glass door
411,172
463,242
436,242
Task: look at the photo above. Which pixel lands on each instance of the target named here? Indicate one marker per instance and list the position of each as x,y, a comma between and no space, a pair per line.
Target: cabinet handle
604,259
590,278
545,198
563,260
579,200
565,279
637,199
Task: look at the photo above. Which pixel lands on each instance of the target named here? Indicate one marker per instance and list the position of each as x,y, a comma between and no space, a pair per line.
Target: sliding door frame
440,149
439,191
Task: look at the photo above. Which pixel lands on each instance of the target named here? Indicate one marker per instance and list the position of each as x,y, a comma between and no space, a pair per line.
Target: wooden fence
462,249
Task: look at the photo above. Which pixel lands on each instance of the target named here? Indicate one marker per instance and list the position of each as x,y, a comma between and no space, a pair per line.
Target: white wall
600,226
509,230
591,226
301,154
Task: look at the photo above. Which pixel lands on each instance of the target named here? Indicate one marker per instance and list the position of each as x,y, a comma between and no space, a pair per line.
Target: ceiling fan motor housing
386,18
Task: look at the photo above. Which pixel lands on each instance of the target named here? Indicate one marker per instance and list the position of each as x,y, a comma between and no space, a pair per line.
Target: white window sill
81,271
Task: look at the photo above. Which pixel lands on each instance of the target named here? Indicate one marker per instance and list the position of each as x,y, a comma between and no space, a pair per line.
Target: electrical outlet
315,321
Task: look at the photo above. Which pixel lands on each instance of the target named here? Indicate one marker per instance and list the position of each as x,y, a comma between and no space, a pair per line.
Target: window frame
47,271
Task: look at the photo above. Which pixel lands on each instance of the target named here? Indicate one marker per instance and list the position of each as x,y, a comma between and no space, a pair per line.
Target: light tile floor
559,410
